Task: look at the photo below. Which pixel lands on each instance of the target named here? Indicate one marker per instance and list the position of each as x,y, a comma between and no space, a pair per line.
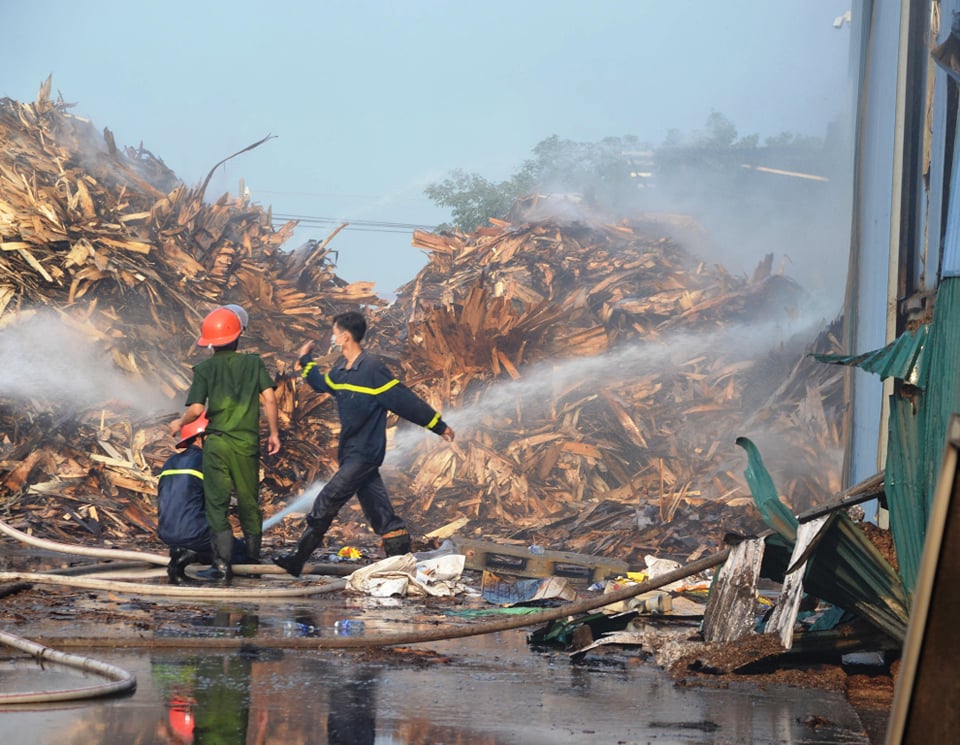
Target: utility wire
370,226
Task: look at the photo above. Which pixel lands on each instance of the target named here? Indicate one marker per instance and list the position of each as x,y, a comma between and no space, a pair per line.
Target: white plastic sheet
438,576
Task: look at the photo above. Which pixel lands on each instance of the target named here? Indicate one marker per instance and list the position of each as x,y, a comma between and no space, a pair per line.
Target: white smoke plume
44,359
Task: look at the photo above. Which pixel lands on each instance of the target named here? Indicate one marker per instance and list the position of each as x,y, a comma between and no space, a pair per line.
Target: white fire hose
142,588
120,679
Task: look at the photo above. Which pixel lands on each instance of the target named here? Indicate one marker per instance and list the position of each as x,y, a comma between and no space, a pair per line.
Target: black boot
253,548
179,559
222,543
293,562
396,542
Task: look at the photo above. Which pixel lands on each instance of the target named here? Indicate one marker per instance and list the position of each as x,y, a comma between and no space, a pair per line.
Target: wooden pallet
519,561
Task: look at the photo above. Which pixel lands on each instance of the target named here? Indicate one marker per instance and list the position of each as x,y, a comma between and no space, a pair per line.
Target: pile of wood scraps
602,369
113,247
597,374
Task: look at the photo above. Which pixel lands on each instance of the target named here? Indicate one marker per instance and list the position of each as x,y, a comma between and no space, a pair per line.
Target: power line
368,226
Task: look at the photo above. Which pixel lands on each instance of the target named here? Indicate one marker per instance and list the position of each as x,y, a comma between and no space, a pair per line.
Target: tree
558,166
473,199
706,160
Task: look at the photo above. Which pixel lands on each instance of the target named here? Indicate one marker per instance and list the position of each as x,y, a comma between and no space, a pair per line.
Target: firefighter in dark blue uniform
181,520
181,517
365,390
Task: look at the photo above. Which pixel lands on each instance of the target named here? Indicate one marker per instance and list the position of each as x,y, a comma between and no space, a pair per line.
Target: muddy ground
89,622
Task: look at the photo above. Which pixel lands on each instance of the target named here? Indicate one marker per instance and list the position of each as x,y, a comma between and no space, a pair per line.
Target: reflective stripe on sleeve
181,472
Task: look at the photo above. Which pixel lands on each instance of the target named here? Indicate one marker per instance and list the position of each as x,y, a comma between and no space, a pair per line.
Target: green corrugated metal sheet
844,568
903,482
928,359
774,512
904,358
942,398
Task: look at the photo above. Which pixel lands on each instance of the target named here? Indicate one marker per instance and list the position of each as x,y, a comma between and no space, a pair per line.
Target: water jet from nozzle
301,504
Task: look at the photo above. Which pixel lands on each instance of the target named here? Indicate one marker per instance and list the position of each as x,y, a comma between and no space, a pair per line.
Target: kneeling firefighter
182,521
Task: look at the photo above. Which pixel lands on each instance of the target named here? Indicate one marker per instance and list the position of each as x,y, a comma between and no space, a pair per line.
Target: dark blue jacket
365,393
181,520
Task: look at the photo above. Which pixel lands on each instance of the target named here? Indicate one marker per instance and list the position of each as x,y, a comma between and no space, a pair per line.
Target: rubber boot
180,558
222,547
396,542
293,562
253,548
253,551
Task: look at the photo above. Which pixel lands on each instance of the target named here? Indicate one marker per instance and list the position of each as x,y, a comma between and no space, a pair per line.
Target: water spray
644,357
300,505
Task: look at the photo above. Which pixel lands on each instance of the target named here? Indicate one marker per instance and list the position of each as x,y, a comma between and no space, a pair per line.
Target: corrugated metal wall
905,240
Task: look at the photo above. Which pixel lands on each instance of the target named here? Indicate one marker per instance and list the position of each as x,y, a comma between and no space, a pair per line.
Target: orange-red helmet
220,327
188,431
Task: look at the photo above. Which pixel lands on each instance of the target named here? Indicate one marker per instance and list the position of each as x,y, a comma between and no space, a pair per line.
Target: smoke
44,359
731,201
807,229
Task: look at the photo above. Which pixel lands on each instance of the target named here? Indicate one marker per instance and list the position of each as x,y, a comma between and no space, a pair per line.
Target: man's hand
448,434
306,348
174,427
273,444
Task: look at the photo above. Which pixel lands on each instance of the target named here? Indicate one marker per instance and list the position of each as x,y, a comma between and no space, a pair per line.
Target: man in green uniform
231,387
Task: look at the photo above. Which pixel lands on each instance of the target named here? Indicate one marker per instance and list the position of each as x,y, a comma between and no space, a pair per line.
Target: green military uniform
230,383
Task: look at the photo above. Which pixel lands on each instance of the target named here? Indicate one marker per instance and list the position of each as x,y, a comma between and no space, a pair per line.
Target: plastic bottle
536,550
348,627
294,628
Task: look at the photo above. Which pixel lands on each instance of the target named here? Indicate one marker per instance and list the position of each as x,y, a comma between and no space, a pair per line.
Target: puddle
485,690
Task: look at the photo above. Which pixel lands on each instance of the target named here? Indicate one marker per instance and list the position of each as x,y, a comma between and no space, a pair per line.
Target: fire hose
146,588
125,681
120,679
116,553
345,642
99,553
388,640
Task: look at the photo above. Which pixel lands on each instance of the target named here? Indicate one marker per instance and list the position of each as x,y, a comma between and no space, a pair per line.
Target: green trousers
227,472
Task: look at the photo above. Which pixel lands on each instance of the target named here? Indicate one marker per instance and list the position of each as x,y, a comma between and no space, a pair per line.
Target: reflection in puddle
487,690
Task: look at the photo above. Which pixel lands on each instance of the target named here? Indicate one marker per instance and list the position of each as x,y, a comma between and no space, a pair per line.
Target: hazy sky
372,100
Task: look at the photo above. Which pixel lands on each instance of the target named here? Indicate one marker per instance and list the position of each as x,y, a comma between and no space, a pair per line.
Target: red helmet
220,327
188,431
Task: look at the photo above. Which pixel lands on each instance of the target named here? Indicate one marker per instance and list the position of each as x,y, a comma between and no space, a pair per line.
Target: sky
370,101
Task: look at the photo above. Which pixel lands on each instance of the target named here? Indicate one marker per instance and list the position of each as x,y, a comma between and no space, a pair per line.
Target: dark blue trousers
362,479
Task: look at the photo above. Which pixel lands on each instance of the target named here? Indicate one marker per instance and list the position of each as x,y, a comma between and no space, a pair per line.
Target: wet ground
490,689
